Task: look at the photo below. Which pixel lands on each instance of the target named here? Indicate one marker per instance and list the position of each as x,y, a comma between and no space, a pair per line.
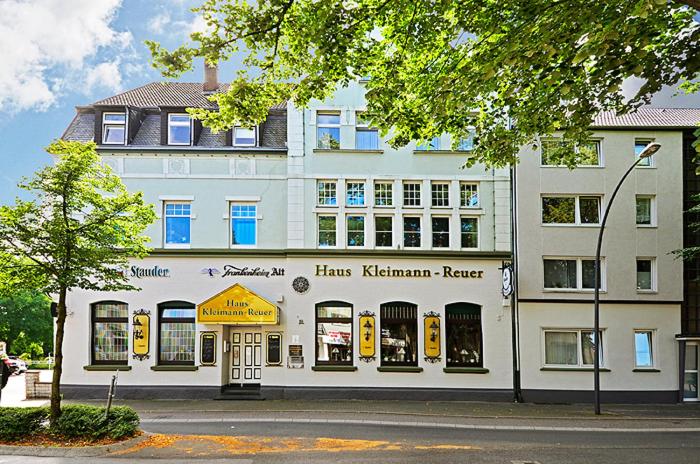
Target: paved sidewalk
14,392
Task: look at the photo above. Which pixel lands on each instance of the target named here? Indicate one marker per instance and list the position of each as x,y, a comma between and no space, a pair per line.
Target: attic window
113,128
244,136
179,129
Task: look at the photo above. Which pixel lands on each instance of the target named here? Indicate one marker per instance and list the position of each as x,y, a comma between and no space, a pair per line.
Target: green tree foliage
79,232
25,318
514,70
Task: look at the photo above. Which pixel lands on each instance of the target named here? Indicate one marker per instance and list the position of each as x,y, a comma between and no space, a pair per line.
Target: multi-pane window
366,137
399,333
179,129
328,130
411,194
411,232
468,195
384,233
327,193
467,143
327,231
356,231
383,193
177,223
571,348
463,331
432,144
586,155
469,232
355,193
570,273
243,224
639,146
114,128
110,333
441,231
334,333
440,194
645,212
644,348
244,136
645,277
570,209
176,333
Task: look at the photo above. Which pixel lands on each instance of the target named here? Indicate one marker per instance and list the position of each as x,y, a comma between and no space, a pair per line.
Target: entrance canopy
237,306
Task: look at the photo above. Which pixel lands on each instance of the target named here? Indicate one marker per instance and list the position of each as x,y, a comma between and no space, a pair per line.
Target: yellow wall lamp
431,336
367,340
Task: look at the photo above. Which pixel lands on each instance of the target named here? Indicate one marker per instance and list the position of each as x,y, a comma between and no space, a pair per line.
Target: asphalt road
401,444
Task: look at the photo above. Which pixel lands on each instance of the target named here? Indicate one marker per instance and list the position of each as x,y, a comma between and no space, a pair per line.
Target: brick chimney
211,78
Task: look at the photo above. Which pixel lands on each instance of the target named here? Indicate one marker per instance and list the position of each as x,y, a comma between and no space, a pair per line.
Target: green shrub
80,420
21,422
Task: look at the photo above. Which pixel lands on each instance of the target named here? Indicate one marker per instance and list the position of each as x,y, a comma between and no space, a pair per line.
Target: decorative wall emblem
141,327
301,285
210,271
367,337
177,166
431,336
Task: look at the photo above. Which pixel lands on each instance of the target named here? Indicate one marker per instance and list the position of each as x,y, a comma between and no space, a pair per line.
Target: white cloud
42,39
158,23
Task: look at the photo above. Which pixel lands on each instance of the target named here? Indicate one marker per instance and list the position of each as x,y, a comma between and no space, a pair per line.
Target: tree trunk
58,358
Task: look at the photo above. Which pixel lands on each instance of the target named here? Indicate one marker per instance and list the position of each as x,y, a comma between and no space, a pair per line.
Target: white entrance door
690,389
246,355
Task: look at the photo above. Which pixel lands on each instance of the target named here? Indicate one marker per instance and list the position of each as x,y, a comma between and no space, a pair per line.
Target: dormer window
244,136
113,128
179,129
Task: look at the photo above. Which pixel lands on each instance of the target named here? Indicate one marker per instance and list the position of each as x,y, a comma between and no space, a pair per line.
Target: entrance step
240,393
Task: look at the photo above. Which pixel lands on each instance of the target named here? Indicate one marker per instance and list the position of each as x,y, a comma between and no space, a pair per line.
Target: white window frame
111,123
364,127
652,207
446,186
405,191
449,231
318,192
645,141
364,193
577,210
171,123
478,232
598,141
579,274
255,137
347,231
579,352
652,349
478,198
165,226
231,204
403,232
318,230
390,190
653,288
391,217
333,126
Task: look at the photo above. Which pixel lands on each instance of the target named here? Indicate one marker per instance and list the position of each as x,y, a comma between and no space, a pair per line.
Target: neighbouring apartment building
306,257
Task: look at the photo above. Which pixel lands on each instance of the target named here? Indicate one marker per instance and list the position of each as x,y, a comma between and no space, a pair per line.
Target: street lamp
649,150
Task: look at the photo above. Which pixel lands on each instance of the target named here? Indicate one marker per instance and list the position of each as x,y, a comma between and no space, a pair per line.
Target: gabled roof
650,118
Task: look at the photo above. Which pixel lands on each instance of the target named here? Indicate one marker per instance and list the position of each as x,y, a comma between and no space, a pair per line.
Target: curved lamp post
649,150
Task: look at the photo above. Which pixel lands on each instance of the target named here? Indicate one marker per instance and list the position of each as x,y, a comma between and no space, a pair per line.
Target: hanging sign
367,347
507,288
141,323
237,306
207,349
431,336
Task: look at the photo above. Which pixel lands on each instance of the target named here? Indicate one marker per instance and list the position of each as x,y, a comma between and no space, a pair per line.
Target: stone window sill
573,369
347,151
106,367
465,370
399,369
642,369
174,368
334,368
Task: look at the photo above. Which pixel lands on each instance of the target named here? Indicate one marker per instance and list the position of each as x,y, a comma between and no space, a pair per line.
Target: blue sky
61,53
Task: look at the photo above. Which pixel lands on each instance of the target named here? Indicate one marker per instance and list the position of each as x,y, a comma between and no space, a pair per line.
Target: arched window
464,341
110,332
334,333
176,333
399,328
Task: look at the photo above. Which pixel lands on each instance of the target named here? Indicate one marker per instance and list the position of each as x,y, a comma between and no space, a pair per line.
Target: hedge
78,420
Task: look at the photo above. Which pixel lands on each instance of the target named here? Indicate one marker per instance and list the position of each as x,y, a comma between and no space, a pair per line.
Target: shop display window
334,333
176,333
464,339
110,333
399,329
